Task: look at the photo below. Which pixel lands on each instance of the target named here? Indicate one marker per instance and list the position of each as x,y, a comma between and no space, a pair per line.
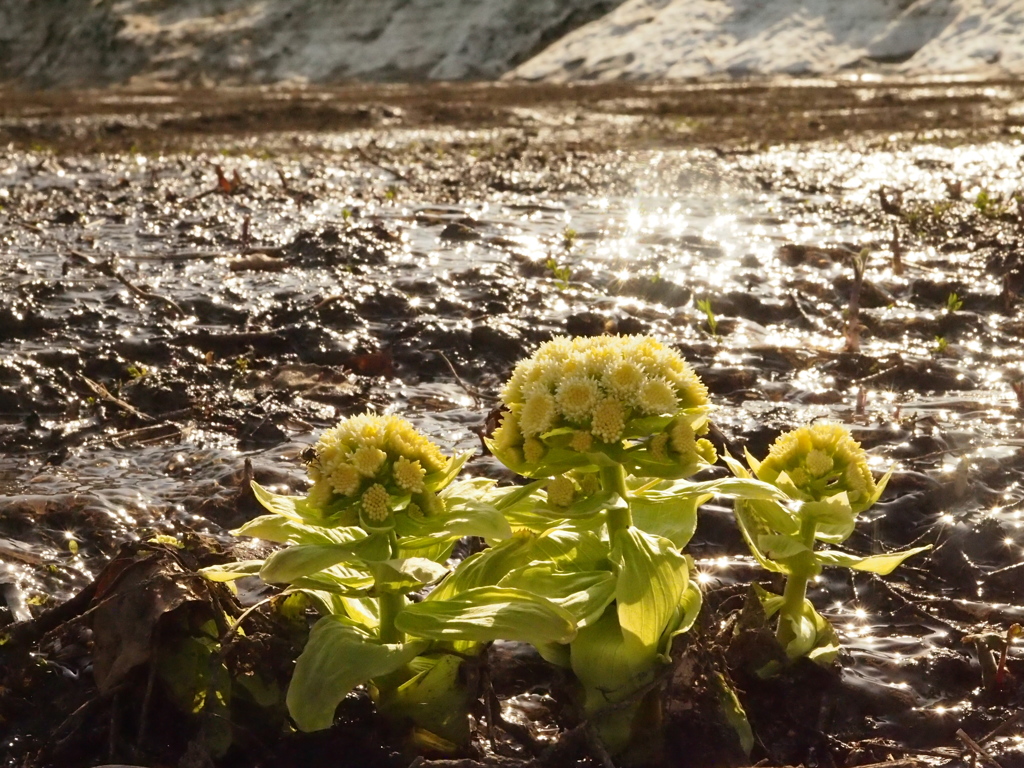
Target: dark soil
196,283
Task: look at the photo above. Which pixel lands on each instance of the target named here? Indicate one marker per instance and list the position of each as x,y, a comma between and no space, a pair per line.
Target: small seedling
561,272
704,305
940,344
569,236
953,302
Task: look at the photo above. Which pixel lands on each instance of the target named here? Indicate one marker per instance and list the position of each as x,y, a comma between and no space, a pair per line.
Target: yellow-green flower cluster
820,461
589,394
373,461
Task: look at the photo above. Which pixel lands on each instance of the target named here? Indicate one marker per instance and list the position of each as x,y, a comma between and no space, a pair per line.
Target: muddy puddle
167,316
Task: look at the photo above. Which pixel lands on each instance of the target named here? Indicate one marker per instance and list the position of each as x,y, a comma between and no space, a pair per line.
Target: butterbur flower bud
561,491
376,503
608,420
371,463
818,462
608,394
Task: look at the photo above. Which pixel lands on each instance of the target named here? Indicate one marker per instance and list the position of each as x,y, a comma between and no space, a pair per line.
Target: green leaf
834,516
803,630
667,514
609,671
645,426
232,571
292,507
436,698
735,715
342,580
740,487
489,613
683,620
284,530
337,658
404,575
652,577
610,674
880,564
584,594
441,478
752,528
571,550
287,565
779,547
468,518
487,568
591,505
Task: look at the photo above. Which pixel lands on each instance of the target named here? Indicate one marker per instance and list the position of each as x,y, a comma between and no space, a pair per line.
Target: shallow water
250,316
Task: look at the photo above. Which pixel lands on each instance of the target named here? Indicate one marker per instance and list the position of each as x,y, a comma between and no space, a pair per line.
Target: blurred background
75,43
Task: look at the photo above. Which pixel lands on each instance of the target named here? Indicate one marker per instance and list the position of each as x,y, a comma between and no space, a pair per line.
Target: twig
328,300
148,295
1003,727
107,268
475,394
104,394
976,748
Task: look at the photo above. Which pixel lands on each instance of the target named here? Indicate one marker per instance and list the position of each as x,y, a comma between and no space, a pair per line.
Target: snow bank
98,42
676,39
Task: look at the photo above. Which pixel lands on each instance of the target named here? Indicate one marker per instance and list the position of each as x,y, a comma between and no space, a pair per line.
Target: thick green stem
613,480
803,569
390,603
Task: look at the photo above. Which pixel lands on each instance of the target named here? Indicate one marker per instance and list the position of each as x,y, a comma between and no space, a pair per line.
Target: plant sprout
377,525
825,477
612,425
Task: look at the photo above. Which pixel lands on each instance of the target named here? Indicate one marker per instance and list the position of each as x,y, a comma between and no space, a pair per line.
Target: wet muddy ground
194,281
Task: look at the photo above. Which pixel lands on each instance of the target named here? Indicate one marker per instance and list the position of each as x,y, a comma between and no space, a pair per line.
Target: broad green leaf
652,577
879,488
739,487
435,698
571,550
682,620
826,644
468,518
880,564
337,658
802,631
667,514
752,528
343,580
584,594
611,674
779,547
284,530
603,663
488,567
591,505
834,516
646,426
404,575
517,495
232,571
292,507
488,613
770,602
294,562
